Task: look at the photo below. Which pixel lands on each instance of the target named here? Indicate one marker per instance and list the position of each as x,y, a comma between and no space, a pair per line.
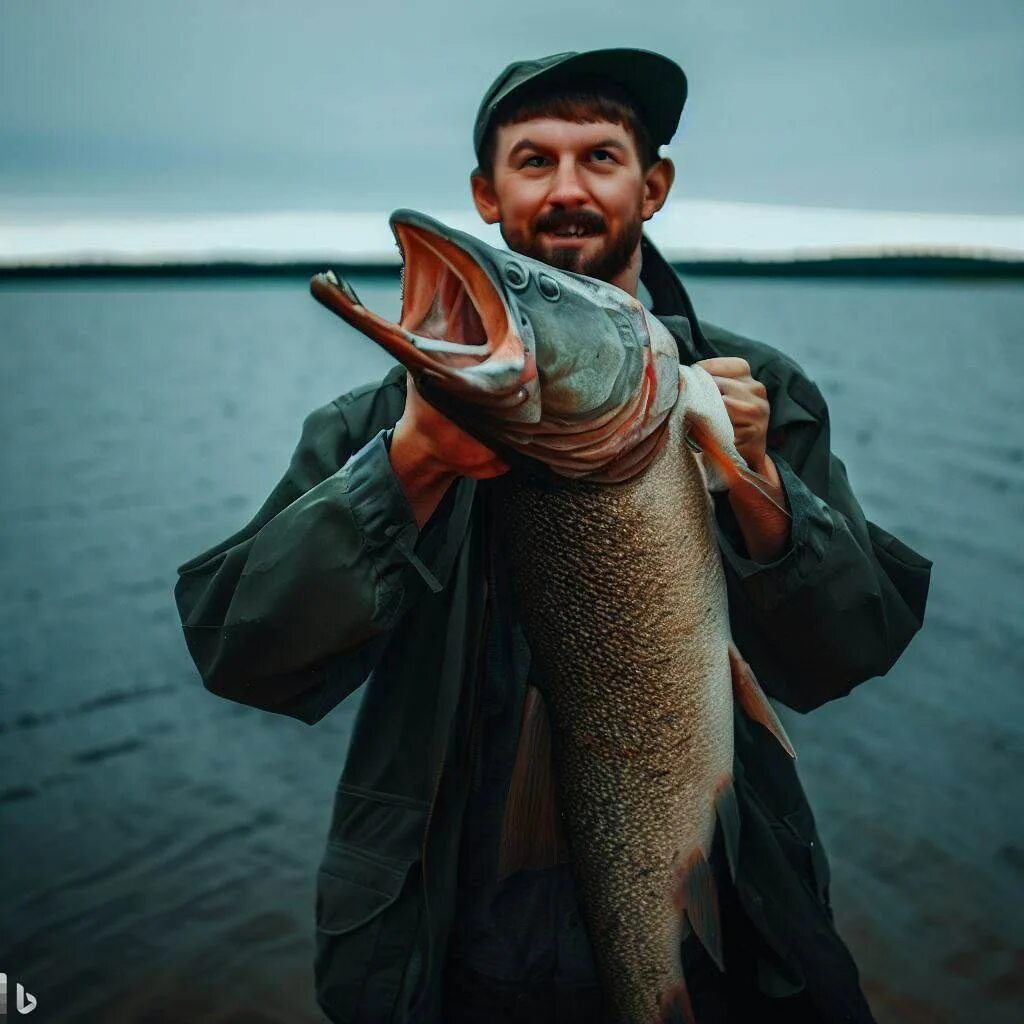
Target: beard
608,262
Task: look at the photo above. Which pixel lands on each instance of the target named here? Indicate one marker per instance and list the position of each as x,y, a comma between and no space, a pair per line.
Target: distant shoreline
855,266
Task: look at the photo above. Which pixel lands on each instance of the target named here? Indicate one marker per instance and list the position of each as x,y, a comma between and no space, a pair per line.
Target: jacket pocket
366,913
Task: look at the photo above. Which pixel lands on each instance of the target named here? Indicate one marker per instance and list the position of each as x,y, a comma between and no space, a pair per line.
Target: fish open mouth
455,328
445,295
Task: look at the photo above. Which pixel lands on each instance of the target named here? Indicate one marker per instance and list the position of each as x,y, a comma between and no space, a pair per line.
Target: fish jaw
570,372
455,332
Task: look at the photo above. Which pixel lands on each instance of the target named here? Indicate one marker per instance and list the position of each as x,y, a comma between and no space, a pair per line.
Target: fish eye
548,287
515,276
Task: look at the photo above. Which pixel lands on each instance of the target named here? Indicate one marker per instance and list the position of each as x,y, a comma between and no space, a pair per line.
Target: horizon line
686,231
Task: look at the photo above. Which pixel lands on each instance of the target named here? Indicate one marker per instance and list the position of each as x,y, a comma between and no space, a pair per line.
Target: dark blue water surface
160,844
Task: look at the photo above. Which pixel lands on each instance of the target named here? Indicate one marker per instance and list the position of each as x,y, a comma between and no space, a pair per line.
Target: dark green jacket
331,584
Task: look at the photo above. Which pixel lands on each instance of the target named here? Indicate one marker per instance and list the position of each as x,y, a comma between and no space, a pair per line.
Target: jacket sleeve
291,613
842,602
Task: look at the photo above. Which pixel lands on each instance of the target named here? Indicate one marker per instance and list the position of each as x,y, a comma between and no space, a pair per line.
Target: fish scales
623,599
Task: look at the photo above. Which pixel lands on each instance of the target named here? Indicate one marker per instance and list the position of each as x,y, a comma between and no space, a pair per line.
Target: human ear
657,183
484,197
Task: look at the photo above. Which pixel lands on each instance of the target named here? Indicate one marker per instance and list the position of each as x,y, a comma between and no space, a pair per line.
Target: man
372,559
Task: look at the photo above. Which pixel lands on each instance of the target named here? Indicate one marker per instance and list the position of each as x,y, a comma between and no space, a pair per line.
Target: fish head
565,371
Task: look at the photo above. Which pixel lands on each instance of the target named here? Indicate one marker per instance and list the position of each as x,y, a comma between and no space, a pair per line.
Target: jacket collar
671,305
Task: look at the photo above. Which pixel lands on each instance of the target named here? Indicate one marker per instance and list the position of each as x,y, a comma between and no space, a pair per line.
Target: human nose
566,187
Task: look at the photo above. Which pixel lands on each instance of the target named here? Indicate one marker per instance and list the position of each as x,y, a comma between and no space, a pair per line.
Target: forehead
557,133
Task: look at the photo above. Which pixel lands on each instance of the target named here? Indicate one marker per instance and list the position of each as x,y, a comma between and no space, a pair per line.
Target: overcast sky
136,106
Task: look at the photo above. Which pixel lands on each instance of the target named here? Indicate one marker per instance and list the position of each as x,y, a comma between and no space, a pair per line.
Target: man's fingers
746,401
741,385
746,435
731,386
745,409
725,366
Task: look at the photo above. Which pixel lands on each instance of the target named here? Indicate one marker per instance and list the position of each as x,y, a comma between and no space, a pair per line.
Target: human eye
529,161
603,156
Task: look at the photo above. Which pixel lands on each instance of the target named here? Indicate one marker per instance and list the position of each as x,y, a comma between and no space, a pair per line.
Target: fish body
623,597
607,528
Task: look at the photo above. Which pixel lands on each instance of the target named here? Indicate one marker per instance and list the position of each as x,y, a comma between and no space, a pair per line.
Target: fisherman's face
572,195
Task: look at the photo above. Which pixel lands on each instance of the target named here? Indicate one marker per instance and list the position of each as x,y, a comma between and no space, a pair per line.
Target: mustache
556,220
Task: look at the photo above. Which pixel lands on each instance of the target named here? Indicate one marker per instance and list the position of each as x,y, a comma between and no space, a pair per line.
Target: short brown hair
583,102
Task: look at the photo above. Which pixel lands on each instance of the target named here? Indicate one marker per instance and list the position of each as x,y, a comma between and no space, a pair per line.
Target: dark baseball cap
656,84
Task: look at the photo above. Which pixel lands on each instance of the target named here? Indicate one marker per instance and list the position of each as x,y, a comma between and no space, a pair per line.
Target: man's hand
440,443
746,401
428,452
765,529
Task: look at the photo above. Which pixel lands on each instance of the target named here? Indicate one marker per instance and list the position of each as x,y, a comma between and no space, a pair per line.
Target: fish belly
623,600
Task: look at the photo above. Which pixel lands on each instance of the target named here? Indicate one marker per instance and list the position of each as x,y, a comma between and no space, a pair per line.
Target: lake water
160,843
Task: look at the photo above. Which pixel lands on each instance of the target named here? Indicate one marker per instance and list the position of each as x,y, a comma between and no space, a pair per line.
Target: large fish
609,534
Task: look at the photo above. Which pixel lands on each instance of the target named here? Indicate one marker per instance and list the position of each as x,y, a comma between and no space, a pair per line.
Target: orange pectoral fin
728,469
749,695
